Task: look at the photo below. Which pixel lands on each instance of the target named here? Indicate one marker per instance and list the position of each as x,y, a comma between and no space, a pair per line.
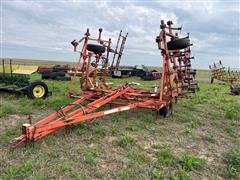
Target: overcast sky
44,29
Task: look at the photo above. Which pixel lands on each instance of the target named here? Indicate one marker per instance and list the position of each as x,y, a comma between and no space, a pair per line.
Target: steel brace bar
82,113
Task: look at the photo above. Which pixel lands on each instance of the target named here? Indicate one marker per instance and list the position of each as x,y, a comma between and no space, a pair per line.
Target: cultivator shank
95,92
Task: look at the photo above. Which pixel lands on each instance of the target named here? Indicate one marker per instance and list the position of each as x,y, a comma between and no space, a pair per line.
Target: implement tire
97,49
37,90
63,78
166,111
178,44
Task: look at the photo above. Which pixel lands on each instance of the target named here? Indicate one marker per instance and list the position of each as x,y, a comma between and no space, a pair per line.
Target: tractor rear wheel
178,44
37,90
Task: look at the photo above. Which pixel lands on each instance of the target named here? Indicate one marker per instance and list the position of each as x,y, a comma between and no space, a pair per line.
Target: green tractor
16,78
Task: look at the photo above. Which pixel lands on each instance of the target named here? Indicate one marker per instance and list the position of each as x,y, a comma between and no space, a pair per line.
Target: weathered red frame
99,94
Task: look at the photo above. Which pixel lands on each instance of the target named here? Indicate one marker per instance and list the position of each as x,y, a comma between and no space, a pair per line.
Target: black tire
60,73
235,90
63,78
141,73
212,79
97,49
193,72
45,76
166,110
33,85
53,75
61,69
178,44
45,71
148,76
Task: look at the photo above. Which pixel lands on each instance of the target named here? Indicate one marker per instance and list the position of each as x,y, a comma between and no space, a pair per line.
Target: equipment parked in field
16,78
151,75
95,92
139,71
115,69
146,73
229,76
57,72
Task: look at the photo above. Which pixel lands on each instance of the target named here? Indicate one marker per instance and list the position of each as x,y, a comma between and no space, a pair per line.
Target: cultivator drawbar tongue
177,80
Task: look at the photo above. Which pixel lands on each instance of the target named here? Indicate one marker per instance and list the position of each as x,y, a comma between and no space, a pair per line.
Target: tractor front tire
37,90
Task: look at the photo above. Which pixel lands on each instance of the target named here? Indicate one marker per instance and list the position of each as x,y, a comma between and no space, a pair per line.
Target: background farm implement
56,72
228,76
117,71
16,78
177,80
114,69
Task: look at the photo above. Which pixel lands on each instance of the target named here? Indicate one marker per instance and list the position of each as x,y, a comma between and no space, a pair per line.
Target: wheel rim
38,91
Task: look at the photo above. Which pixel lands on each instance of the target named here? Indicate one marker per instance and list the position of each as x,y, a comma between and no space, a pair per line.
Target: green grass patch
158,175
182,164
7,108
157,146
231,113
233,162
101,131
137,157
126,141
65,166
90,155
40,176
113,130
181,174
209,138
20,171
189,162
132,127
165,156
77,176
232,127
183,116
147,118
9,134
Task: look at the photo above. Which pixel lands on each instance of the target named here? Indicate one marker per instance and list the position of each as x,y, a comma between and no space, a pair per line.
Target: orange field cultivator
220,73
95,92
231,77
